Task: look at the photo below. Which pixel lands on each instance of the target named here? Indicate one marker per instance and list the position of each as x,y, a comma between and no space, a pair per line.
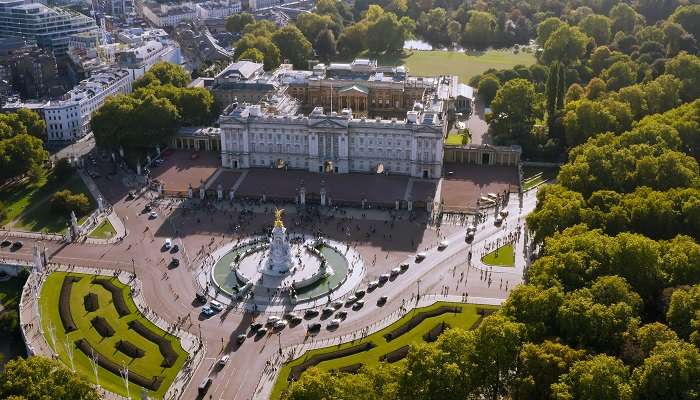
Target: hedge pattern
164,345
437,330
117,296
297,370
129,349
102,327
418,318
396,355
64,304
104,362
91,302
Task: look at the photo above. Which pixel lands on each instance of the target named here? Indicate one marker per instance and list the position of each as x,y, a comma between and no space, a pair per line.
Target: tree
513,112
546,28
264,44
480,30
386,35
540,366
686,68
650,335
601,378
43,378
565,45
35,125
236,22
311,24
113,122
252,54
595,89
65,201
488,87
62,170
597,27
20,155
671,372
536,308
620,74
575,92
688,16
293,46
325,45
353,39
163,73
585,118
624,18
655,10
683,309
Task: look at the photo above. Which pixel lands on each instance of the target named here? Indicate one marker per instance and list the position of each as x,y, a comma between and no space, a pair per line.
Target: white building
48,26
140,59
166,15
217,9
69,118
258,4
272,135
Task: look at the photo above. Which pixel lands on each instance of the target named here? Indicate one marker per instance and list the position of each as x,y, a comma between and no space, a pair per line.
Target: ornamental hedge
164,345
91,302
129,349
102,327
64,304
117,295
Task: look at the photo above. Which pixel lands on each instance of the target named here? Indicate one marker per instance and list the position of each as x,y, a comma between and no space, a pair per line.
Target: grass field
148,365
105,230
465,320
503,256
424,63
456,139
27,203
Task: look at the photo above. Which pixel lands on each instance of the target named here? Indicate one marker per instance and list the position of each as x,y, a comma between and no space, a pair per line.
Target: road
170,292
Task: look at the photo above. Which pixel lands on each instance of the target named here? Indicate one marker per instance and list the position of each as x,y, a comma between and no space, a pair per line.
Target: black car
175,262
310,313
17,245
381,301
175,248
5,243
316,326
342,314
360,294
199,297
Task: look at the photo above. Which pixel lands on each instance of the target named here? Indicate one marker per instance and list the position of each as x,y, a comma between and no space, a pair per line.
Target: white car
396,271
167,244
216,305
334,323
372,285
421,256
279,325
273,320
443,245
153,215
223,360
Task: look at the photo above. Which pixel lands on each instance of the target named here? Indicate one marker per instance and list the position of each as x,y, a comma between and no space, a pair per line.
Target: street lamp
418,296
279,341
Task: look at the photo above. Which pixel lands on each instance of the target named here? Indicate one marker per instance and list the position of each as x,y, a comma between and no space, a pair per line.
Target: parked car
443,245
167,244
360,294
199,297
395,272
342,314
215,305
313,327
256,326
333,324
358,304
279,325
131,195
207,311
295,320
381,301
328,310
5,243
403,267
241,338
290,316
175,249
337,304
153,215
372,285
421,256
310,313
175,262
271,320
383,278
17,245
261,332
350,300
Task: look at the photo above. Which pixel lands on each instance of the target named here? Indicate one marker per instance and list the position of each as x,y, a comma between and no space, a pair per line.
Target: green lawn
105,230
503,256
533,176
456,139
465,320
424,63
27,203
149,365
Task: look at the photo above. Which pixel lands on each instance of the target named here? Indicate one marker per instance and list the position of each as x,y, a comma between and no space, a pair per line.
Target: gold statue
278,218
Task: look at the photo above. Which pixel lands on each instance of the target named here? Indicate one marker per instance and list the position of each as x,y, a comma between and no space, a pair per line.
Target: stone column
138,169
396,205
410,205
219,192
202,193
364,203
323,196
302,196
189,192
231,193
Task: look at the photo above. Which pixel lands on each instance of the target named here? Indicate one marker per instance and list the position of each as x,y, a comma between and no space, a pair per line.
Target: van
204,386
216,305
167,244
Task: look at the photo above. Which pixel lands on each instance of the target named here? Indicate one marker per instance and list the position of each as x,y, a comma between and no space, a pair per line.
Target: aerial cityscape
327,199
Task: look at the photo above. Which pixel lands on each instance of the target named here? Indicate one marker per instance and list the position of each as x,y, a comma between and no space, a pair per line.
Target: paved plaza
381,239
465,184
